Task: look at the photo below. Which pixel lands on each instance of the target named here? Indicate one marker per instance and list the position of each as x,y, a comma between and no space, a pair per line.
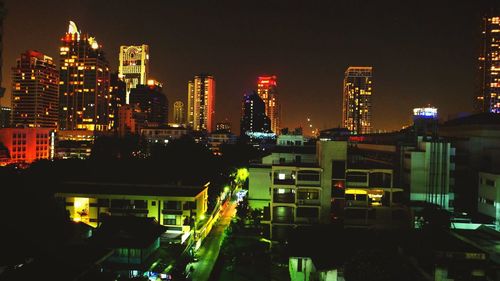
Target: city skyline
430,46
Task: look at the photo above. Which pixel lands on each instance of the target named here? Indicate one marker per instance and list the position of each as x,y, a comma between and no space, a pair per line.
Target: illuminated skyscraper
35,88
488,96
267,91
201,103
134,66
2,16
84,98
179,112
357,105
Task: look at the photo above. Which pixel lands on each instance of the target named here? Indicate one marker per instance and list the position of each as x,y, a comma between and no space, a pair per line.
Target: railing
308,220
309,183
128,210
171,212
283,219
284,198
284,181
308,202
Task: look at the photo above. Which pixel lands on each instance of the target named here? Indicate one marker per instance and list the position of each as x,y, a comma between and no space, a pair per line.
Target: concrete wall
259,184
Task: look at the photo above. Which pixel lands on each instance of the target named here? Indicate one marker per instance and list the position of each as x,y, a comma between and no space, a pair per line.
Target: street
209,250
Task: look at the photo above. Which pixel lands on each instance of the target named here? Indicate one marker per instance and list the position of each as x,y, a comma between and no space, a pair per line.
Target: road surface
209,250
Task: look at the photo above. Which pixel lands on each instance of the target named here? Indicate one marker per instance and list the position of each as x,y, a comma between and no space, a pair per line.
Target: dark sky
423,52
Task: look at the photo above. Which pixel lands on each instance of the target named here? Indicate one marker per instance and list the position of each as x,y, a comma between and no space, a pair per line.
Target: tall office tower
35,91
150,104
84,99
179,112
253,116
2,17
267,91
134,67
5,116
201,103
488,96
357,106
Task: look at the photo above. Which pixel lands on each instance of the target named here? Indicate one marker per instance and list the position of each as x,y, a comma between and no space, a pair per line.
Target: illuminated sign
260,135
425,112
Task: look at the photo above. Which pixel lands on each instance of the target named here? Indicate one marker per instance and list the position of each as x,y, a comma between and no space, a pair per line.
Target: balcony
171,212
284,181
131,211
284,197
282,214
282,219
308,202
306,220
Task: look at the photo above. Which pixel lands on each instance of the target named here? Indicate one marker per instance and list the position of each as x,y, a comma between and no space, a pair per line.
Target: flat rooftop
129,189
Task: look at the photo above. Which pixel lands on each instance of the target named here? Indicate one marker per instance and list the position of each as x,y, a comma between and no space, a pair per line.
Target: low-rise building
163,134
218,138
300,190
26,145
489,197
179,208
75,144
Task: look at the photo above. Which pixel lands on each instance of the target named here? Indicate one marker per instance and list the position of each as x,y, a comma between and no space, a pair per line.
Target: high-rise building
223,126
253,115
201,103
35,91
84,98
179,112
134,66
5,116
357,105
488,96
150,105
267,91
2,16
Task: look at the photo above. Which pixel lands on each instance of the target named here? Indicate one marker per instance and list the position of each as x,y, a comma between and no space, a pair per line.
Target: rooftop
475,119
128,232
129,189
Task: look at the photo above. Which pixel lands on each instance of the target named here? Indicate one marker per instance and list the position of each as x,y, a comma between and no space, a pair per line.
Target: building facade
356,111
163,134
151,105
488,96
5,116
253,115
84,85
27,145
268,92
296,183
35,91
178,208
489,197
201,103
134,66
179,115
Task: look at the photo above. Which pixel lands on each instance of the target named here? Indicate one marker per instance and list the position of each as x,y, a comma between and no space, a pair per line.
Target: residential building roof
130,189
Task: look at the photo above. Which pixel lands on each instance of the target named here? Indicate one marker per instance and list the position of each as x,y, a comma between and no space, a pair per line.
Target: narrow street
209,250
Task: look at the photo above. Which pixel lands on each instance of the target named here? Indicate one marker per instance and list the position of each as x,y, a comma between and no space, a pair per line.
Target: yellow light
355,191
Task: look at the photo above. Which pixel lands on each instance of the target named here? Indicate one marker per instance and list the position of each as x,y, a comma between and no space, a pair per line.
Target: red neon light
357,138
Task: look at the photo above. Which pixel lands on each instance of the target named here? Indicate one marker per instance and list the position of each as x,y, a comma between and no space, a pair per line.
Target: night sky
423,52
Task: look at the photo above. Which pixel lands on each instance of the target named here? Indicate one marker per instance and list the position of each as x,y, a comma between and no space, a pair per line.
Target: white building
427,172
489,196
133,67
